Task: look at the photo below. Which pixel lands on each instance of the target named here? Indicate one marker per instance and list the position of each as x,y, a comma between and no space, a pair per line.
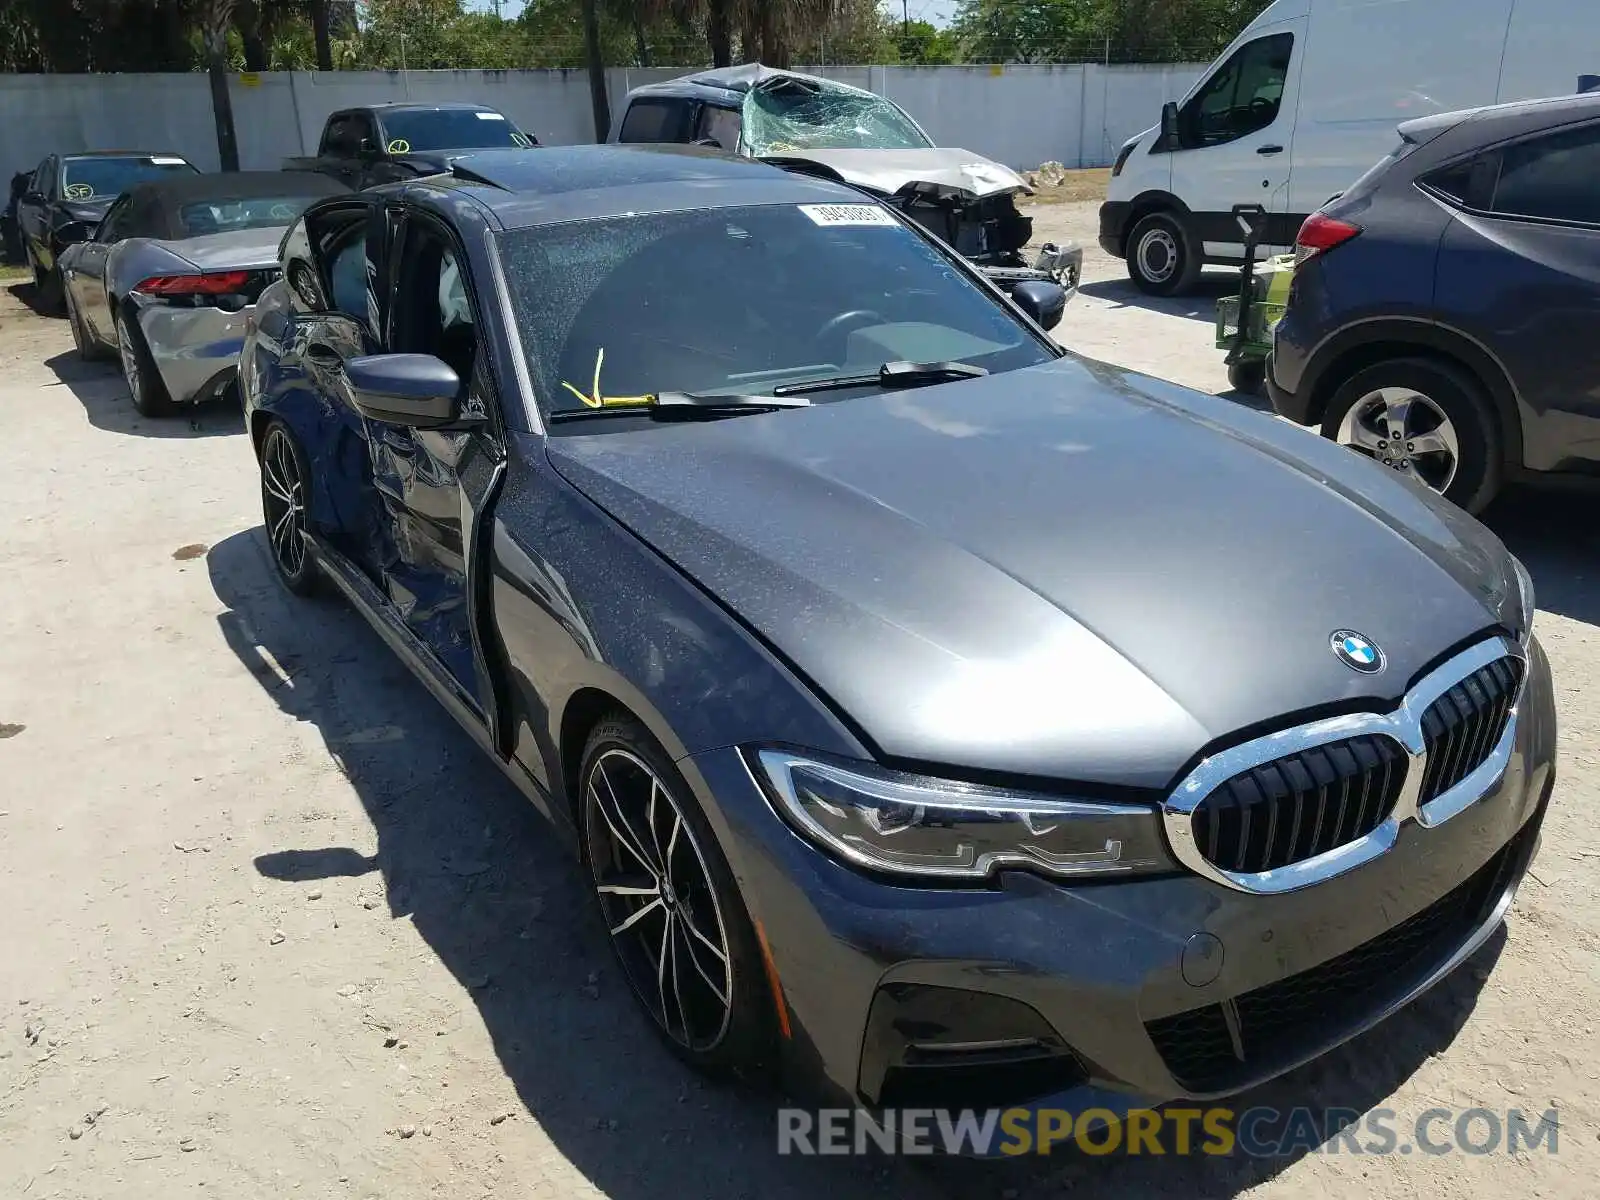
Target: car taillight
218,283
1321,233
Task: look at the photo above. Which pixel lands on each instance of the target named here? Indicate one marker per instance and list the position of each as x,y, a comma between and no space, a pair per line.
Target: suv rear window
1552,177
655,121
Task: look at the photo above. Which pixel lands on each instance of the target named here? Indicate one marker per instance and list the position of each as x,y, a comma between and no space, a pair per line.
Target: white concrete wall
1018,115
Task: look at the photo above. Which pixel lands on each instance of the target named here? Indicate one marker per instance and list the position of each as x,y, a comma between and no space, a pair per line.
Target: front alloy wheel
283,507
676,921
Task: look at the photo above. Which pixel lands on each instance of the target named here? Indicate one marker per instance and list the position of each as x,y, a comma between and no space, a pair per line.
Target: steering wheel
839,327
282,212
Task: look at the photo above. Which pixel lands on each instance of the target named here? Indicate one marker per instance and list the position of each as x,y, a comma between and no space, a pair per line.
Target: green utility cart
1245,321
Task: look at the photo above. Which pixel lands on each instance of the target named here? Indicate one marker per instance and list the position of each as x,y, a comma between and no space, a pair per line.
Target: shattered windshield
800,114
738,301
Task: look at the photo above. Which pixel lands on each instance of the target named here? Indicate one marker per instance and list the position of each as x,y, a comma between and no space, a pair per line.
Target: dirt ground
273,927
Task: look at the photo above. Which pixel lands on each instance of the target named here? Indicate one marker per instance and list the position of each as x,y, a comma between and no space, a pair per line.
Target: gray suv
1445,312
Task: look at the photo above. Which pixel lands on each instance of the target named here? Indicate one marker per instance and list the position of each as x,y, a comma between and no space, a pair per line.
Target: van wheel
1161,257
1426,420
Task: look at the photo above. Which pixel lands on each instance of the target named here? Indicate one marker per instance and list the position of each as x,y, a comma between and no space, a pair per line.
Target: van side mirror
74,231
1169,125
416,390
1042,299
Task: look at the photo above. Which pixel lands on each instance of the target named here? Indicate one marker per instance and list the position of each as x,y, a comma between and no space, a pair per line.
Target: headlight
1123,156
1528,600
908,825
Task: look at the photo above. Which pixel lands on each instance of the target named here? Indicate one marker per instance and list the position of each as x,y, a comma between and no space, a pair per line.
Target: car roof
1491,122
121,154
414,106
553,184
237,185
729,85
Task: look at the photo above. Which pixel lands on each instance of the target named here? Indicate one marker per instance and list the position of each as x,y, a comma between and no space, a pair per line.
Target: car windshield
411,129
97,178
797,114
253,212
739,301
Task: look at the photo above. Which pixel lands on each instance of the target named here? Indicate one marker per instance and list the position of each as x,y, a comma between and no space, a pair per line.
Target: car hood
88,211
239,250
1069,572
892,171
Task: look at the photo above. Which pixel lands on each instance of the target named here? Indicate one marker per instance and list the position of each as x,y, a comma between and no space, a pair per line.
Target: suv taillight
1319,234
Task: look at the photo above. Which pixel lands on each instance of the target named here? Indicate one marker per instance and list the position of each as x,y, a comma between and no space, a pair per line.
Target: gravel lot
273,926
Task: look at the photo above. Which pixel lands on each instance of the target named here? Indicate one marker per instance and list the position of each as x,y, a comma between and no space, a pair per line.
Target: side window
339,137
362,132
347,272
1242,97
1552,178
720,125
295,255
113,228
432,307
655,121
43,175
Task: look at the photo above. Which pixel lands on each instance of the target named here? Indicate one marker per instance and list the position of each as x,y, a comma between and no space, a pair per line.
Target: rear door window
1552,178
664,120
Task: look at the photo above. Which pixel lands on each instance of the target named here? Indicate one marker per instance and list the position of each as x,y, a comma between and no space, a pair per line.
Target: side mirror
367,148
1042,299
74,231
1169,125
34,196
417,390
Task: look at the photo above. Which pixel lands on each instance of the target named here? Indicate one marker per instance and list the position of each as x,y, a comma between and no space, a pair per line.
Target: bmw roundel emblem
1357,652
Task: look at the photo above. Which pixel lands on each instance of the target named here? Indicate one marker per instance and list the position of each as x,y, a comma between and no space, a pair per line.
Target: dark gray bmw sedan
939,717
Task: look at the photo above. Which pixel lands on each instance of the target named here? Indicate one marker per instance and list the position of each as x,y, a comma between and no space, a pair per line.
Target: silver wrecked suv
817,126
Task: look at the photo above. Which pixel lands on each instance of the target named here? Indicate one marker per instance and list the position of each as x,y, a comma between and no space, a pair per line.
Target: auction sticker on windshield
847,214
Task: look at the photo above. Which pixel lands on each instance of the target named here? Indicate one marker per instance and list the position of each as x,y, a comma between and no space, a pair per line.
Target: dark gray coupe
938,716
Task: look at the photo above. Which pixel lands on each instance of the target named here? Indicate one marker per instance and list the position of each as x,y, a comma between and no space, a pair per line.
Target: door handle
1269,149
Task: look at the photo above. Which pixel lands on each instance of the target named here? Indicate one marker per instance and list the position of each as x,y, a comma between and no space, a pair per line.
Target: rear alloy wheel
284,488
676,921
1161,260
144,382
1425,420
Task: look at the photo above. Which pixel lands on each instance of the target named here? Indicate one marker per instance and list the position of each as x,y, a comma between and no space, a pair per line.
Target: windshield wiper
890,375
667,406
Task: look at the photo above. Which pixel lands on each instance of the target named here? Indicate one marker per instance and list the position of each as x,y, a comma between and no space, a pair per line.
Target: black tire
285,486
1452,391
139,372
1248,376
48,289
700,895
1163,260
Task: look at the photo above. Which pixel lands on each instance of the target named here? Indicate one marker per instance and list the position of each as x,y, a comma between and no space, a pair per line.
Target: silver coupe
171,275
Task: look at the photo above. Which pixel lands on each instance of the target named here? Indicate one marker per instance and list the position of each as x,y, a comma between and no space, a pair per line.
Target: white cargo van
1306,99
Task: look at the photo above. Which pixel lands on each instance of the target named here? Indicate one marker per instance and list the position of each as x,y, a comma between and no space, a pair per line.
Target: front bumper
196,350
1121,988
1114,216
1056,264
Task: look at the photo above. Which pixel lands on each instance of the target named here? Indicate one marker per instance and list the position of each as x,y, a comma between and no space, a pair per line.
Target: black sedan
67,196
934,712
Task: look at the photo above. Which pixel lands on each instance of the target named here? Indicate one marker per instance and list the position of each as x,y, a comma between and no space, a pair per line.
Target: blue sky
938,12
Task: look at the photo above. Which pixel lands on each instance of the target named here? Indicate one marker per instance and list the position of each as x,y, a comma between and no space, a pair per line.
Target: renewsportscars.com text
1254,1132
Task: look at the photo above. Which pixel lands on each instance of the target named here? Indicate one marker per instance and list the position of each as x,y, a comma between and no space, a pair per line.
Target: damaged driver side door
432,483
